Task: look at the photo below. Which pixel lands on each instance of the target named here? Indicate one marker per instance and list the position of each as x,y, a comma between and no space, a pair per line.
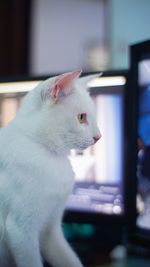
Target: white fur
36,176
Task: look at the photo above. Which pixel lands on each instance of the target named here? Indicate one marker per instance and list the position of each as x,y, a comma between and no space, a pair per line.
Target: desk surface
129,262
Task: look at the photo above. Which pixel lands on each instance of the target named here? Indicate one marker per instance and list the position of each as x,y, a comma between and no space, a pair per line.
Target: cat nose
96,138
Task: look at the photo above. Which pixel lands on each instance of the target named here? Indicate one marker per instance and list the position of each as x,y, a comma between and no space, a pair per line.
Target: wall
129,22
61,33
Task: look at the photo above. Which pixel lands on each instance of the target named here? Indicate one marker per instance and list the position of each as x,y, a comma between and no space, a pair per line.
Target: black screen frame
136,235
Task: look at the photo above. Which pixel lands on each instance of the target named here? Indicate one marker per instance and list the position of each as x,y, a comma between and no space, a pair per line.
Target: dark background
14,36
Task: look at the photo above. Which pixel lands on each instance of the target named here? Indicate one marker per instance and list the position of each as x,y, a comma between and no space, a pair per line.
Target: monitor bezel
80,216
136,235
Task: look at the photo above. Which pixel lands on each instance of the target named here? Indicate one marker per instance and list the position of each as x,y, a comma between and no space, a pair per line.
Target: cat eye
82,118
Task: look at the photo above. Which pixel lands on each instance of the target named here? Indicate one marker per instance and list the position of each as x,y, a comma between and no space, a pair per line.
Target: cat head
61,114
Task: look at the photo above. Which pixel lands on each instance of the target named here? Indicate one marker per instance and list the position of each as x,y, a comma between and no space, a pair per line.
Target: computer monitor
138,185
99,170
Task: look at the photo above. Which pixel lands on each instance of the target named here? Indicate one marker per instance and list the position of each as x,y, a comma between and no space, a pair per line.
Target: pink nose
96,138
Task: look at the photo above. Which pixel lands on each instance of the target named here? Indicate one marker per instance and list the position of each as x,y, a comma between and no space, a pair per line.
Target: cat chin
84,146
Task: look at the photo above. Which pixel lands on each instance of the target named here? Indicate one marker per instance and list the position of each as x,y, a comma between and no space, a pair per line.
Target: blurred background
42,37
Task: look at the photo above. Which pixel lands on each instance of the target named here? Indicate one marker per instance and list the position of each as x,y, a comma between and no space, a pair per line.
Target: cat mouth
85,145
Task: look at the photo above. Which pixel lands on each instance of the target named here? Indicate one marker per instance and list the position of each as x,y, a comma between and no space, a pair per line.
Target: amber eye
82,118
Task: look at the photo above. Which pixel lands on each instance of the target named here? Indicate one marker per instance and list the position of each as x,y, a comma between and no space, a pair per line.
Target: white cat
35,174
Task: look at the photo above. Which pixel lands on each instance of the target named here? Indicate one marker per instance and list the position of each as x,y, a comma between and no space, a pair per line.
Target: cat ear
63,84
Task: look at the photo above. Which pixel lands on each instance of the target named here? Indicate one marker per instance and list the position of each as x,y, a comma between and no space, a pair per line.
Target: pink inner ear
55,91
66,79
63,83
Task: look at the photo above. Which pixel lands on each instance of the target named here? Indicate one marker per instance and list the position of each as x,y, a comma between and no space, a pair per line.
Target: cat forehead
81,101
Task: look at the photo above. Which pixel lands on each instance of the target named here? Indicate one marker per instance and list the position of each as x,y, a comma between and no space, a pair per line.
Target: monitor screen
99,170
143,163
